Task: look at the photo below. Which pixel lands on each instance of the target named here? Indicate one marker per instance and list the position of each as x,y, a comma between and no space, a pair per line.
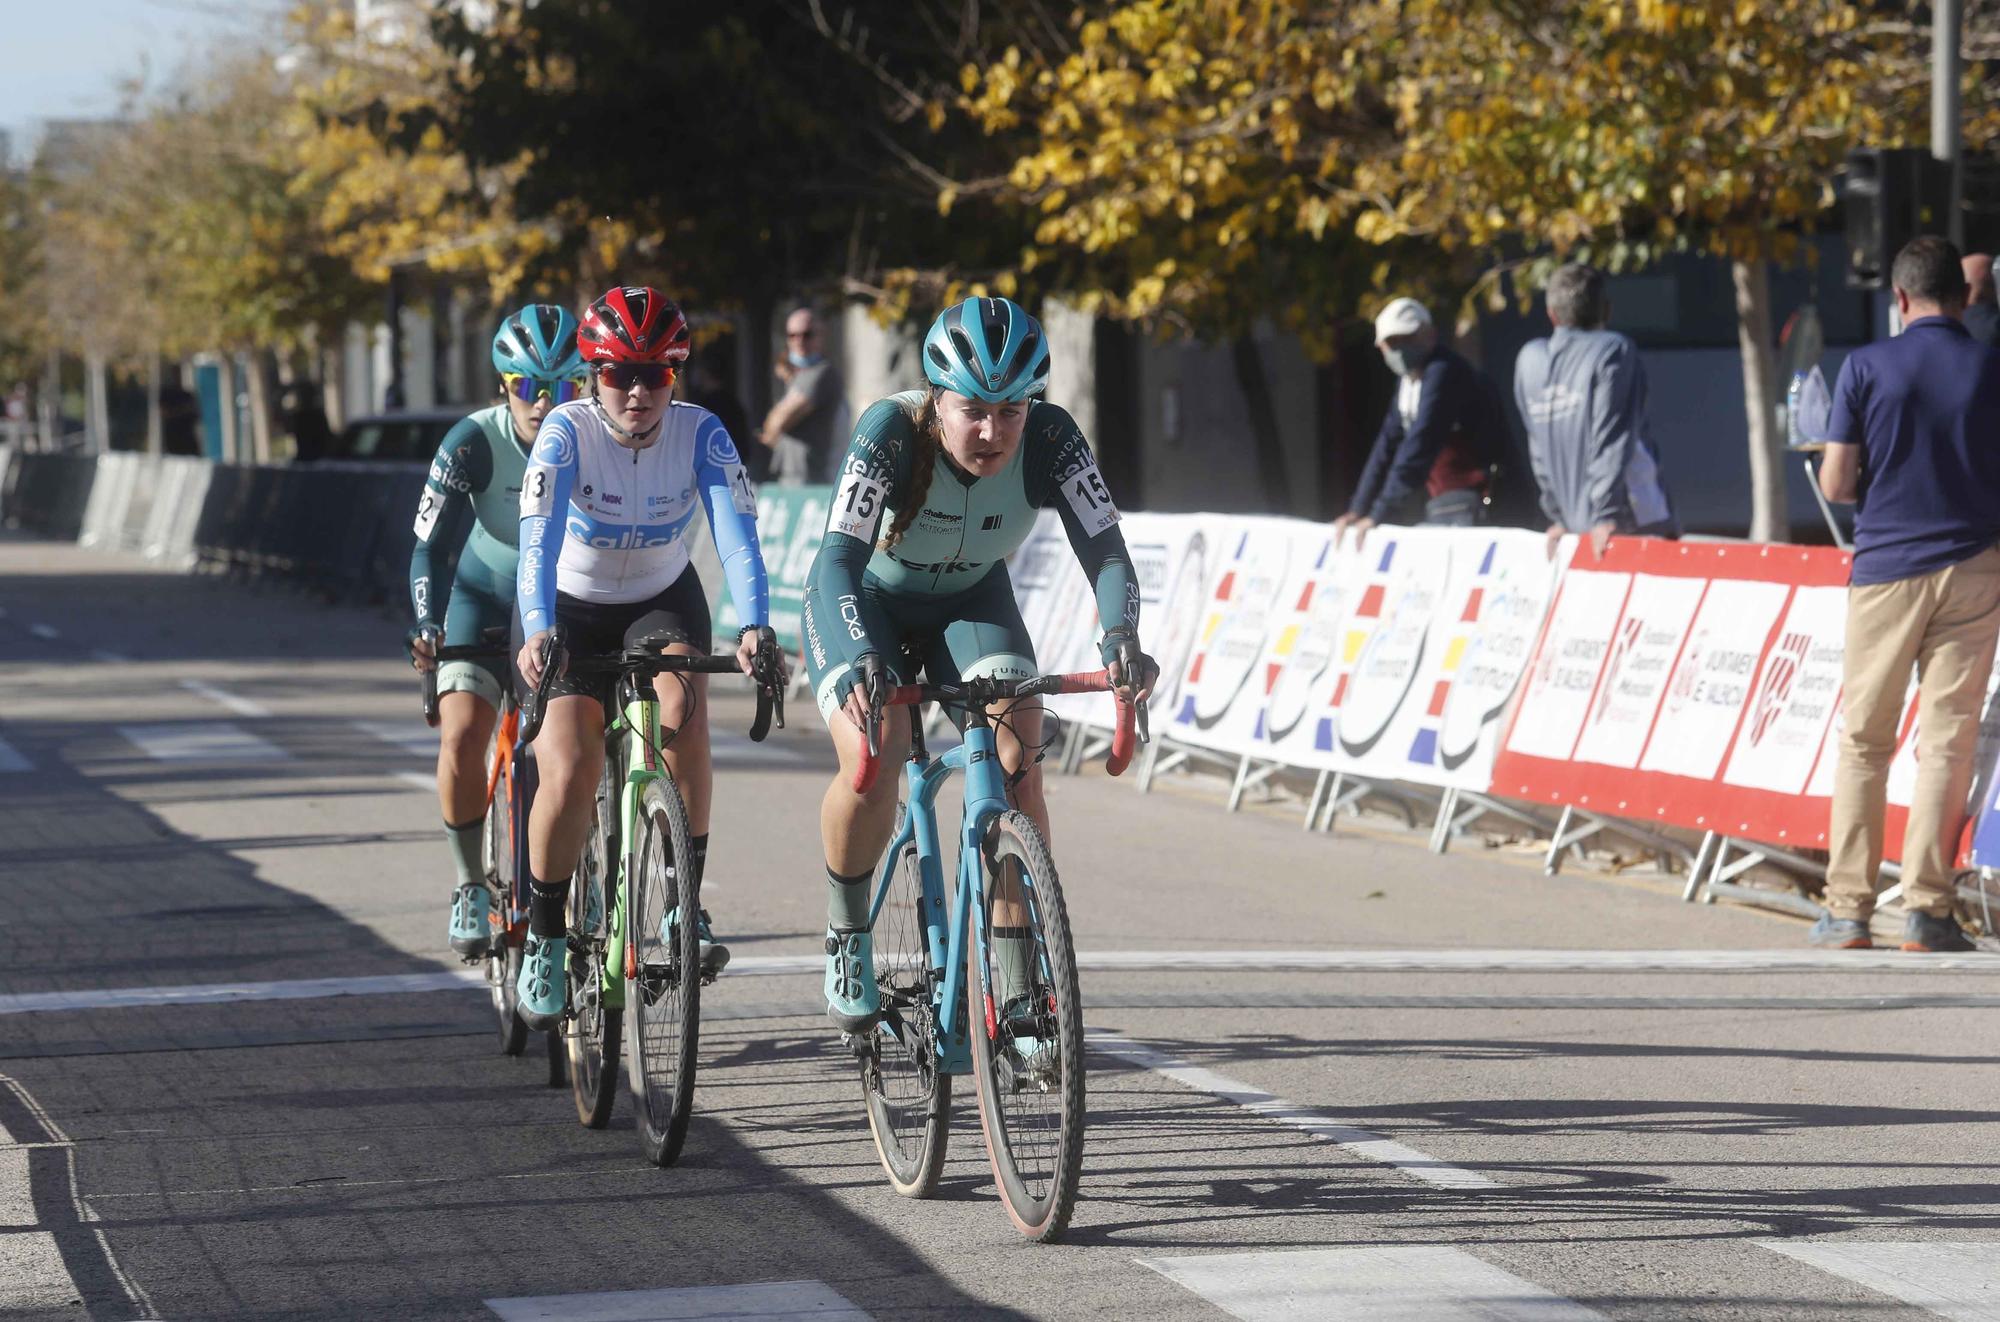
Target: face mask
1404,361
802,359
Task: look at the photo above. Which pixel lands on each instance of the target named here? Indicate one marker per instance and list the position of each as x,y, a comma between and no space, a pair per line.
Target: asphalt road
1334,1077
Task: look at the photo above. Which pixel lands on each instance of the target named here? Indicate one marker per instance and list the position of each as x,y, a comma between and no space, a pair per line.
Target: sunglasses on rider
528,389
622,376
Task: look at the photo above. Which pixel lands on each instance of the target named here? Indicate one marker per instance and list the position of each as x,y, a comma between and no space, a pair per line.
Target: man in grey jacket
1582,394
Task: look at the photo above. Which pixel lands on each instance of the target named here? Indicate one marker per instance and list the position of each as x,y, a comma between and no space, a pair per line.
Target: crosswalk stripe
769,1301
1361,1142
11,759
202,741
223,698
412,736
420,780
1959,1280
1415,1283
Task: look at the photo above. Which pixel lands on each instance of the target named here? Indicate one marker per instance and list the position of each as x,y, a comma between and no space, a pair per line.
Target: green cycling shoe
852,999
541,989
471,922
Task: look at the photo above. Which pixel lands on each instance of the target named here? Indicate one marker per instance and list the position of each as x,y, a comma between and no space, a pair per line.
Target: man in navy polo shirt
1914,441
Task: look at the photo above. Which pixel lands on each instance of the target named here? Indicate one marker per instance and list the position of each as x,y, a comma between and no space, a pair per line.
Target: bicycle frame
637,766
985,799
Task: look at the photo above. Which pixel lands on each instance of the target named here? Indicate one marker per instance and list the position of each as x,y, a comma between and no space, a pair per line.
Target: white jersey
624,512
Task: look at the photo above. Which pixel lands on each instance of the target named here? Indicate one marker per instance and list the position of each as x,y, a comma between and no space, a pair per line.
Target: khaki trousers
1945,624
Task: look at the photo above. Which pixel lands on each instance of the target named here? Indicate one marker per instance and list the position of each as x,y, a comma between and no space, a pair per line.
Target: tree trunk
1769,520
1256,389
156,432
263,404
97,402
232,419
333,383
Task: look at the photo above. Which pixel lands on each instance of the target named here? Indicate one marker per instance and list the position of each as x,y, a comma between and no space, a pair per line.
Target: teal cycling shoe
471,929
852,1000
714,955
541,987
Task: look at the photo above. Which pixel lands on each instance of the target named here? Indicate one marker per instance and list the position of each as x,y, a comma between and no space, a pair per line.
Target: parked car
411,436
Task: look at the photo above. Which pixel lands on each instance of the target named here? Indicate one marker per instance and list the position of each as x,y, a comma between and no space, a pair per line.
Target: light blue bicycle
950,1004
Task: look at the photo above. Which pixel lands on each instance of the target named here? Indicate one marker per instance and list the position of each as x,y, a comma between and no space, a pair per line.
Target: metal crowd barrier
341,531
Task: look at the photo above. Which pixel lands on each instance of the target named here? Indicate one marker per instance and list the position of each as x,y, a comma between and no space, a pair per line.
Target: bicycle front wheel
908,1097
663,1000
1027,1046
592,1033
503,958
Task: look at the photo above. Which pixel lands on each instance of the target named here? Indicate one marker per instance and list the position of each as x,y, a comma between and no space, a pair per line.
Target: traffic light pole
1945,24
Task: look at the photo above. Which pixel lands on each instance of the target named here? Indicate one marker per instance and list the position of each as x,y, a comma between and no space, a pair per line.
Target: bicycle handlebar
644,662
1129,732
459,652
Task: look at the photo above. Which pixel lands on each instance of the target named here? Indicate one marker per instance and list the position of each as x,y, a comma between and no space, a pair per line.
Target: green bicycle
634,967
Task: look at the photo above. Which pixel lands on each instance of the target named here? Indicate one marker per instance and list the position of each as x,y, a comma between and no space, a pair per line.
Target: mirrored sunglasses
622,376
528,389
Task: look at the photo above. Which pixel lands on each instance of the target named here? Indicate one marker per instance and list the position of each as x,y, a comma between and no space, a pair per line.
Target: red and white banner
1690,684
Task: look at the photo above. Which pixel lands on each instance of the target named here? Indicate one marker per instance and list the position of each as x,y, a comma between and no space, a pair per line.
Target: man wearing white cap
1439,439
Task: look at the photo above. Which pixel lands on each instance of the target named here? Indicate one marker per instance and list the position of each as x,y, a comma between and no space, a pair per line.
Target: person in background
1582,394
802,428
1440,438
1982,311
1912,442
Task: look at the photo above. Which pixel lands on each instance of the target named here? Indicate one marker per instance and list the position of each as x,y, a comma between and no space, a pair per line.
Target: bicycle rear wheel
591,1035
663,1002
908,1098
1027,1054
503,956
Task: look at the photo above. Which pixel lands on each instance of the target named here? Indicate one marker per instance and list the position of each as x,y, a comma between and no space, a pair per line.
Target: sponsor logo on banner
1232,633
1776,690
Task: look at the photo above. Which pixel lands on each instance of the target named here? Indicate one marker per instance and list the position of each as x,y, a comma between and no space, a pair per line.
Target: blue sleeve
1377,467
1843,425
731,503
545,488
444,517
1410,467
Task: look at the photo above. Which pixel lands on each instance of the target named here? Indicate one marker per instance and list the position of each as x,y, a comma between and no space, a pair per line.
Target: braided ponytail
922,465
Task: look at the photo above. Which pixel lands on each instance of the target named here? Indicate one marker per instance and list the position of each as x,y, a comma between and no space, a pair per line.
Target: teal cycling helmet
987,348
539,341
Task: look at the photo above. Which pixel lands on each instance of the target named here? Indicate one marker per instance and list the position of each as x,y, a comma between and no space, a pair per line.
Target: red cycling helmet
633,324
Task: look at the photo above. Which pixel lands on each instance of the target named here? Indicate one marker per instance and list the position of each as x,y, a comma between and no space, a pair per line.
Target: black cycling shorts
606,628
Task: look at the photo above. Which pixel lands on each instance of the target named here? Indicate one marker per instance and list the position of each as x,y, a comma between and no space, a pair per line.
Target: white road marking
770,1301
198,741
12,760
412,736
222,697
224,993
1417,1283
1957,1280
1541,961
423,780
109,657
48,631
1361,1142
754,966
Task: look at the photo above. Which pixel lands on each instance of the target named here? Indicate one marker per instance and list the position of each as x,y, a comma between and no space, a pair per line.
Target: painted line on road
412,736
202,741
423,780
768,1301
1360,1142
109,657
1543,961
226,993
1959,1280
754,966
45,631
12,760
222,697
1399,1284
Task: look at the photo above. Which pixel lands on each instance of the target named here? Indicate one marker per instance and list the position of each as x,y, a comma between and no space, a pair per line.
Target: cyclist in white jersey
608,495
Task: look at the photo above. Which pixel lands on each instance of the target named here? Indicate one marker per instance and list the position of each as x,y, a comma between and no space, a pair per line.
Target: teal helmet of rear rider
539,341
988,349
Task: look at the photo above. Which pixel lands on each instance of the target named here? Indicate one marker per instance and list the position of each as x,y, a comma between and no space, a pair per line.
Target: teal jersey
471,507
965,527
